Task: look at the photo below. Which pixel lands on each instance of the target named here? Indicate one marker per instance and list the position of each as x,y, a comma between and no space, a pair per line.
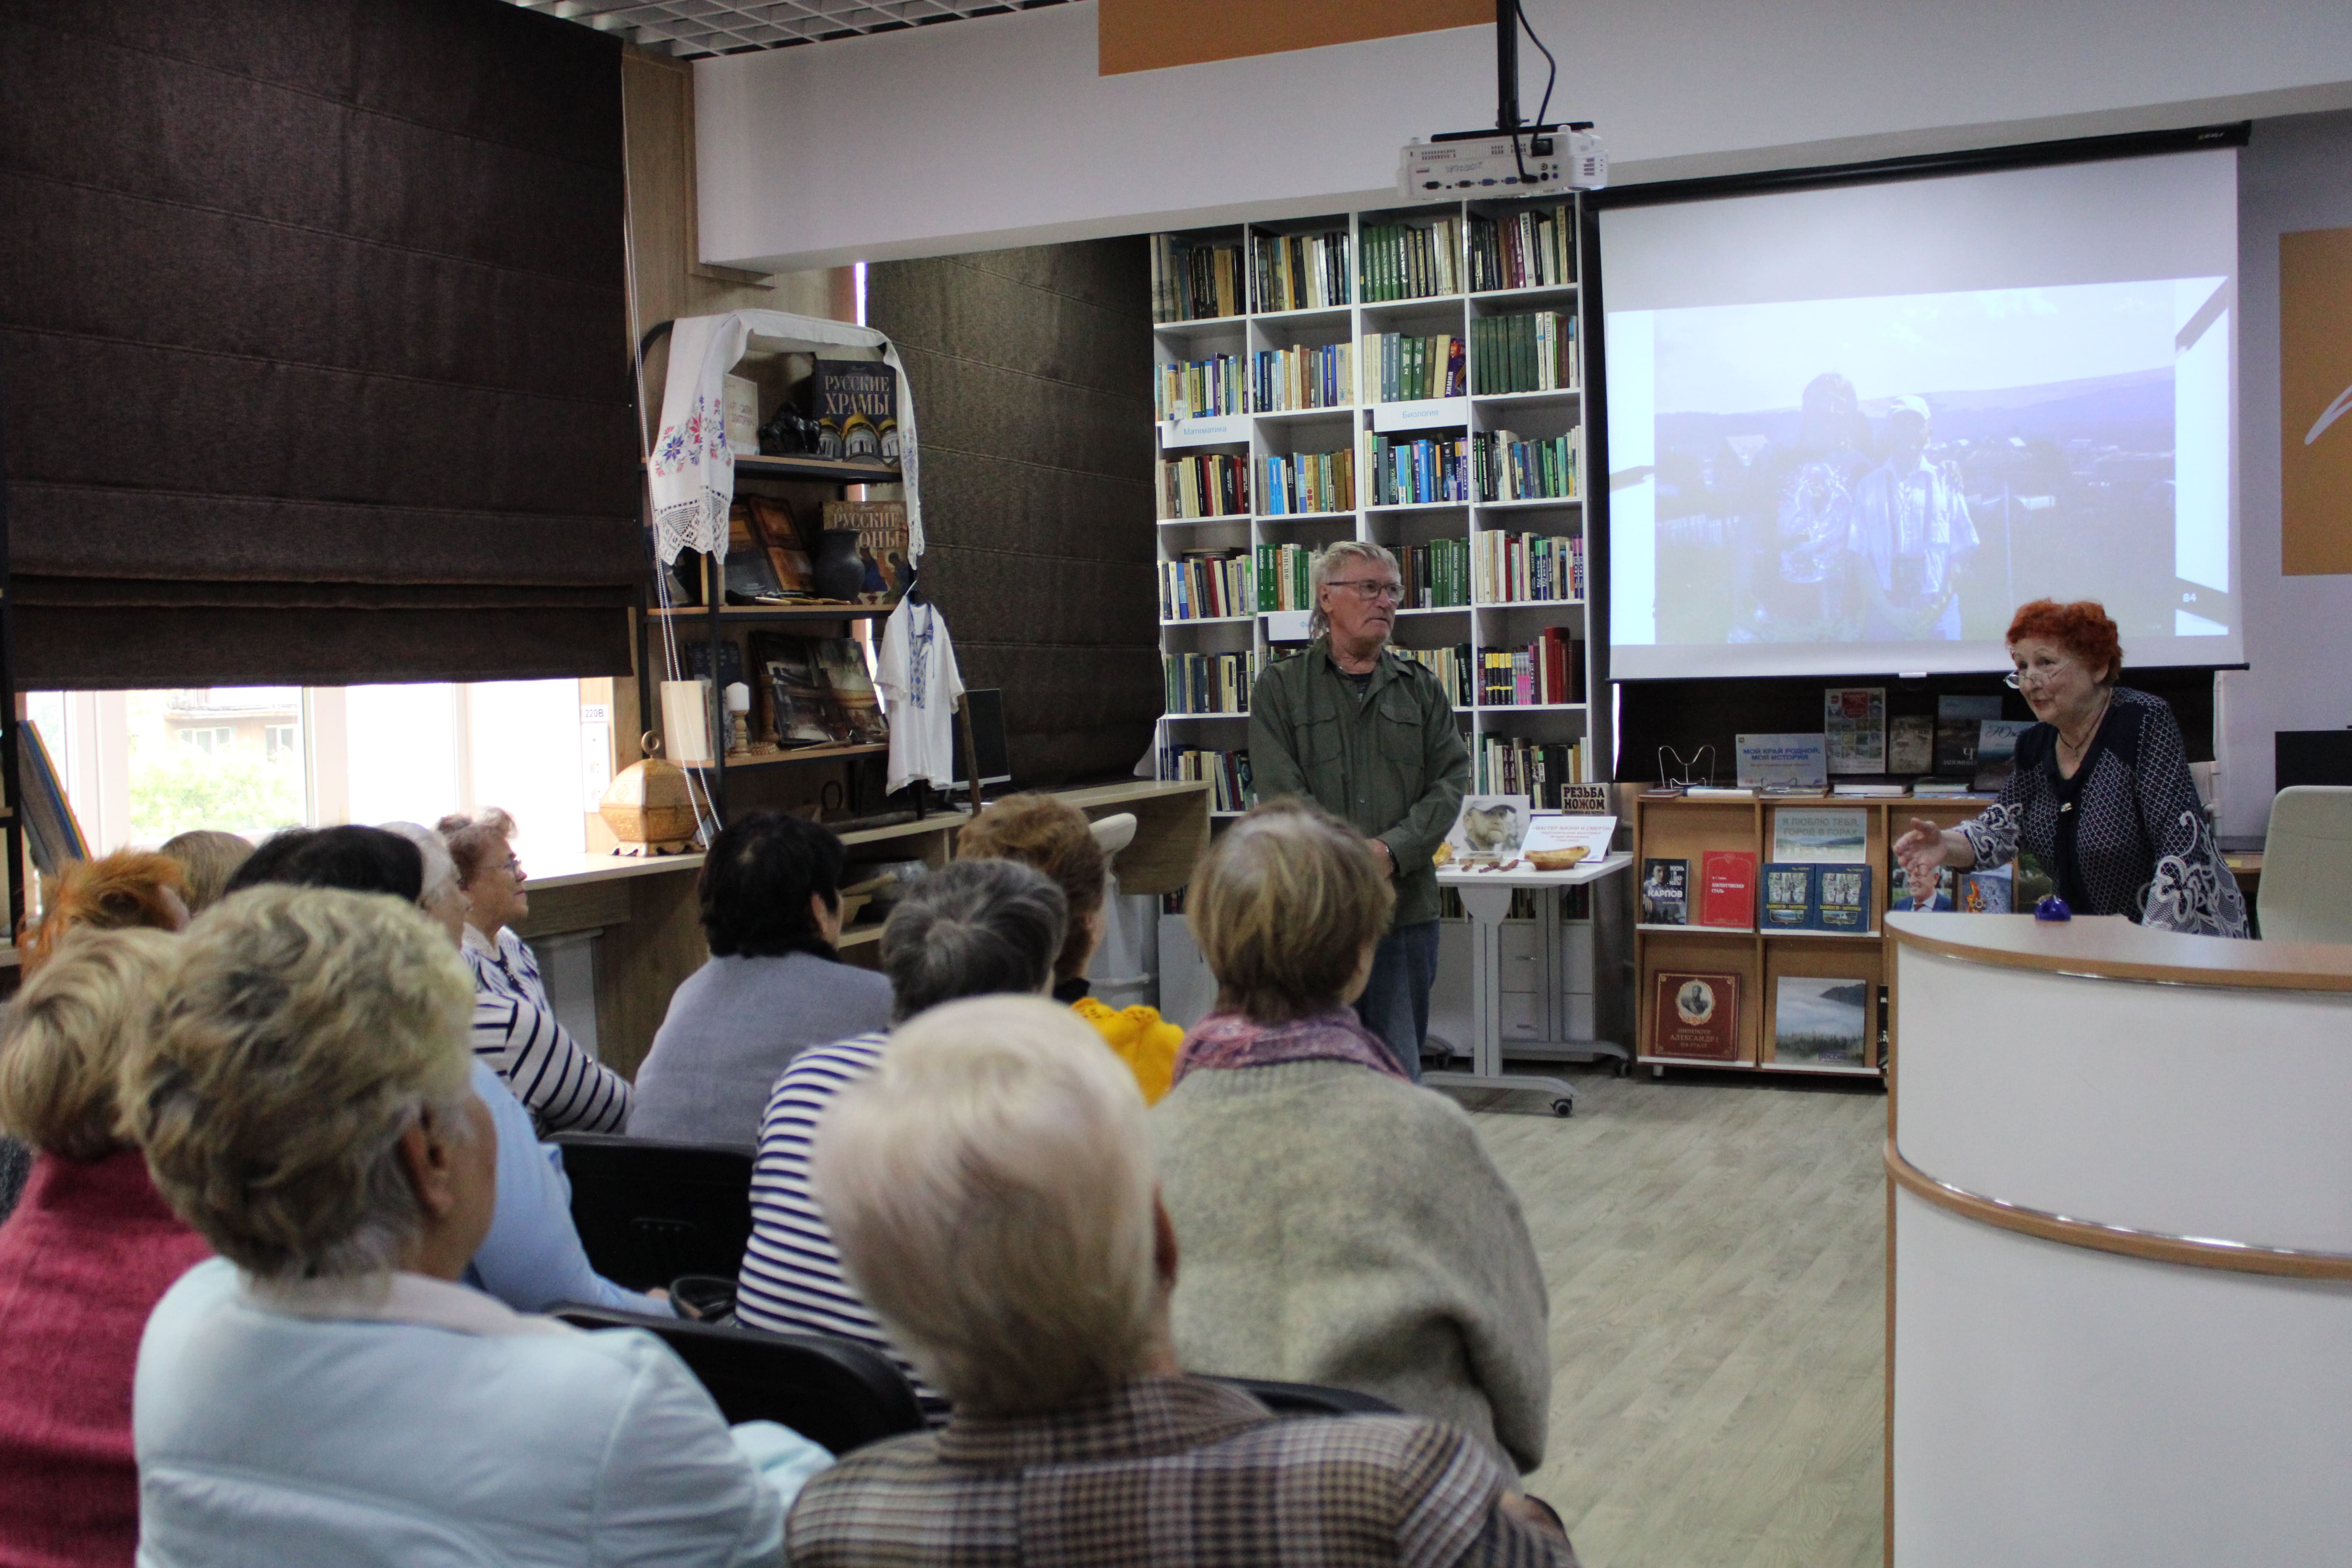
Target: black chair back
830,1391
648,1210
1288,1400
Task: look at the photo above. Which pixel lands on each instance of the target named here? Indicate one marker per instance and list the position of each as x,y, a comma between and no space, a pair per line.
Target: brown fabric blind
313,343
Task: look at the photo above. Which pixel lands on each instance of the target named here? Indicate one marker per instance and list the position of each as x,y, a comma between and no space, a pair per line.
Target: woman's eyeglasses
2040,675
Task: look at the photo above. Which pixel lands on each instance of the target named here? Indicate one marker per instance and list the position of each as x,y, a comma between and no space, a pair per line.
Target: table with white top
1486,898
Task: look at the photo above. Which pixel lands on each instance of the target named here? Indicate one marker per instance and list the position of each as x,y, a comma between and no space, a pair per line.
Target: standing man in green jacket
1368,734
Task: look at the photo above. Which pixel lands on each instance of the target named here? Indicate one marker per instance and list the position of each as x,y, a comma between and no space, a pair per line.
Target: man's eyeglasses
2039,675
1373,588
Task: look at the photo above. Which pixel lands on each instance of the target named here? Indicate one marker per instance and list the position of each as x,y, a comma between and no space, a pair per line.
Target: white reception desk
2119,1300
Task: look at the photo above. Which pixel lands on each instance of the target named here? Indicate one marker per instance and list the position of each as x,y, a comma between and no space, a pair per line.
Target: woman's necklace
2066,746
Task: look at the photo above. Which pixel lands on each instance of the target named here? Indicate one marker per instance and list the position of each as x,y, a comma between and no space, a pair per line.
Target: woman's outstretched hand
1923,853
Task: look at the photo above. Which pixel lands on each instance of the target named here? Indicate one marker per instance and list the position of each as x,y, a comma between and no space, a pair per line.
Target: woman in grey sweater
771,895
1339,1224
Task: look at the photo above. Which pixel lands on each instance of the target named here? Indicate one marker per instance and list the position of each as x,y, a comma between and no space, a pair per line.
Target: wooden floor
1715,1253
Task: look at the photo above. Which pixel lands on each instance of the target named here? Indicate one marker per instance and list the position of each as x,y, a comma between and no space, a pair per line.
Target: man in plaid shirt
992,1193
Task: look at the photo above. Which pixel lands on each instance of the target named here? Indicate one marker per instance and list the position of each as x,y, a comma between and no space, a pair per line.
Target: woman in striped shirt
974,928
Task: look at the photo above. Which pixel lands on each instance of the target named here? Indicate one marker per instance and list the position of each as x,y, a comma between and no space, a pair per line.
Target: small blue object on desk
2050,907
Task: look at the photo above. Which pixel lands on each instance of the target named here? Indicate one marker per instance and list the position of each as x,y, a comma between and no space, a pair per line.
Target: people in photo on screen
1911,536
1791,581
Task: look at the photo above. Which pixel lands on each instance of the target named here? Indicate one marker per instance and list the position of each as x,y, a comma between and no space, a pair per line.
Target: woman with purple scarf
1339,1224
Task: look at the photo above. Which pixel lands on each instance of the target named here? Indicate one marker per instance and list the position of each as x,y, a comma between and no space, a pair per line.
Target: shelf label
1286,626
1422,413
1209,431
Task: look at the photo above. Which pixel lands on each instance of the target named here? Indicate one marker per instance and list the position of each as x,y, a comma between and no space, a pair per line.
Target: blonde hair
114,892
990,1190
65,1037
1053,836
303,1032
208,859
1283,907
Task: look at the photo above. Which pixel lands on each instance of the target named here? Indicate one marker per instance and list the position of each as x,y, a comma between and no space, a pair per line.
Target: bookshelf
1274,345
1683,828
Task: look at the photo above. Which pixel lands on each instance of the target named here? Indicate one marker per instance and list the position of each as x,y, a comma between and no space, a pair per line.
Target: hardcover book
750,576
815,692
1665,892
1910,745
1695,1017
1820,1021
1986,892
856,405
1788,897
1853,720
1956,719
1726,894
778,533
1842,899
881,530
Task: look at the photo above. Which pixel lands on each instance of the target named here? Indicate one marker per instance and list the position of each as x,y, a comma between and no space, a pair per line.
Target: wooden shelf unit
1351,423
1681,828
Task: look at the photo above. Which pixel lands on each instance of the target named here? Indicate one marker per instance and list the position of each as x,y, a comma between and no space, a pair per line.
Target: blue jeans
1395,1002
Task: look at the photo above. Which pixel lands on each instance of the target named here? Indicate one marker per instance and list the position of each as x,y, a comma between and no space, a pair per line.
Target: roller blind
313,343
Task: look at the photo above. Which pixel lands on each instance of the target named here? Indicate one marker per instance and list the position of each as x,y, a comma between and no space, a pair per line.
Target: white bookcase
1255,433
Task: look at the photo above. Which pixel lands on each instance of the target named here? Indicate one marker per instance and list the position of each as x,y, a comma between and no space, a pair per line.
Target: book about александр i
1696,1017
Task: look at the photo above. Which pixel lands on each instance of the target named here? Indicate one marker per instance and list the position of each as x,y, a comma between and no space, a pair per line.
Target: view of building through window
140,766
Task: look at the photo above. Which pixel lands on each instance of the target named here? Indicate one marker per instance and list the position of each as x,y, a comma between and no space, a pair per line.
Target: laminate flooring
1716,1254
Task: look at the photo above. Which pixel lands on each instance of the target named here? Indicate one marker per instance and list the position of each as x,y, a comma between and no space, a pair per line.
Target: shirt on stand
917,671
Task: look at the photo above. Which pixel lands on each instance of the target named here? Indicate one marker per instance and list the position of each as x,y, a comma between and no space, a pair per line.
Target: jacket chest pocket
1321,748
1397,741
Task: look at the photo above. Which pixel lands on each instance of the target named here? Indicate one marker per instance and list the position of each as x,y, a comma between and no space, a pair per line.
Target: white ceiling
687,29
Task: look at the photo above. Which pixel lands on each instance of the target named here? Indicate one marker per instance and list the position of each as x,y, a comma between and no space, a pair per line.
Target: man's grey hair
974,928
1341,557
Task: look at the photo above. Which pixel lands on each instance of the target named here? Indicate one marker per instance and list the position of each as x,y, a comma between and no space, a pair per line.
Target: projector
1483,164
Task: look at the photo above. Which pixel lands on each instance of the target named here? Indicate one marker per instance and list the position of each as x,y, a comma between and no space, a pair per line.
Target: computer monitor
2312,757
987,710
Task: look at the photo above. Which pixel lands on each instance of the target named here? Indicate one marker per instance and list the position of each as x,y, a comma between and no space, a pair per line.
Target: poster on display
1488,827
1837,832
1551,832
1783,761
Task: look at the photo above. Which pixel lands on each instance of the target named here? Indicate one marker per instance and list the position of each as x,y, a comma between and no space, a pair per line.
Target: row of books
1797,896
1205,584
1308,482
1228,770
1543,771
1409,367
1436,574
1194,282
1549,669
1211,484
1423,470
1817,1020
1301,376
1450,665
1194,389
1506,468
1210,682
1517,568
1531,352
1524,250
1300,271
1412,261
1286,576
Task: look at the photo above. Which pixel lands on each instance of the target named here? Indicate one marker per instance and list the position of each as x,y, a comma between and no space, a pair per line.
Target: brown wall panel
2314,390
1148,35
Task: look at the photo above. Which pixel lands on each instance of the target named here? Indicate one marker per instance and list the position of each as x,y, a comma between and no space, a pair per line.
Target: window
140,766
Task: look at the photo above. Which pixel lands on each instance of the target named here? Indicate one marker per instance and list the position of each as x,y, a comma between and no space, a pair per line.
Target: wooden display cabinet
1681,828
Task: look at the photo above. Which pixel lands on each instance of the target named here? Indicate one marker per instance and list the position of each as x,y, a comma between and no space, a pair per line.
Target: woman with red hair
2100,794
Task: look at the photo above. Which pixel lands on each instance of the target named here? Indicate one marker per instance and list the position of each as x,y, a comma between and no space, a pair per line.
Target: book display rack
1759,942
1410,377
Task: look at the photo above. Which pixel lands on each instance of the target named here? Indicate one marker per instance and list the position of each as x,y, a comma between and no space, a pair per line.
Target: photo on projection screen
1850,430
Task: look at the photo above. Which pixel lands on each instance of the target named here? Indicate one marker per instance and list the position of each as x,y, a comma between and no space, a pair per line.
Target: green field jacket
1392,764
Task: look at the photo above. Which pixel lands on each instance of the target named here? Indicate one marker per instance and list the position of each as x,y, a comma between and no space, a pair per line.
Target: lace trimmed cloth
692,470
2125,835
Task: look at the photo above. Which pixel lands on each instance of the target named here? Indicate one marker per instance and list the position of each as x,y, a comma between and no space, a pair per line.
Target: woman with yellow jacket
1054,838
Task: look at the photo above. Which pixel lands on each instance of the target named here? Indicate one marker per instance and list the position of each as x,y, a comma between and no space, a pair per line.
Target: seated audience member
1055,836
992,1190
492,876
324,1391
976,928
207,858
771,897
85,1256
128,889
533,1258
1341,1225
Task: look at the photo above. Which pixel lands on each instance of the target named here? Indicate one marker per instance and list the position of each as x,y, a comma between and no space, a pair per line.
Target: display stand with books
1410,377
1760,937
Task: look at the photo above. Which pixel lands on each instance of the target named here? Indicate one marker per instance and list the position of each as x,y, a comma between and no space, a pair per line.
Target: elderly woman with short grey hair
977,928
325,1390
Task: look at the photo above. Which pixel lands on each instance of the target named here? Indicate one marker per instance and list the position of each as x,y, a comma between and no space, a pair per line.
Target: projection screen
1851,429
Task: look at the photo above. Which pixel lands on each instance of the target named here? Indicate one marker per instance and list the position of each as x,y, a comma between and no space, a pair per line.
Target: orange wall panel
1148,35
2316,402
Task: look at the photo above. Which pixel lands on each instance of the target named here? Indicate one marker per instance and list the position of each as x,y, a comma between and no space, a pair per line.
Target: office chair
831,1392
2306,888
648,1210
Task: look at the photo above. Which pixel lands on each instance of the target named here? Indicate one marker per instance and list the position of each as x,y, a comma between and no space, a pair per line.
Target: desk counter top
2110,947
